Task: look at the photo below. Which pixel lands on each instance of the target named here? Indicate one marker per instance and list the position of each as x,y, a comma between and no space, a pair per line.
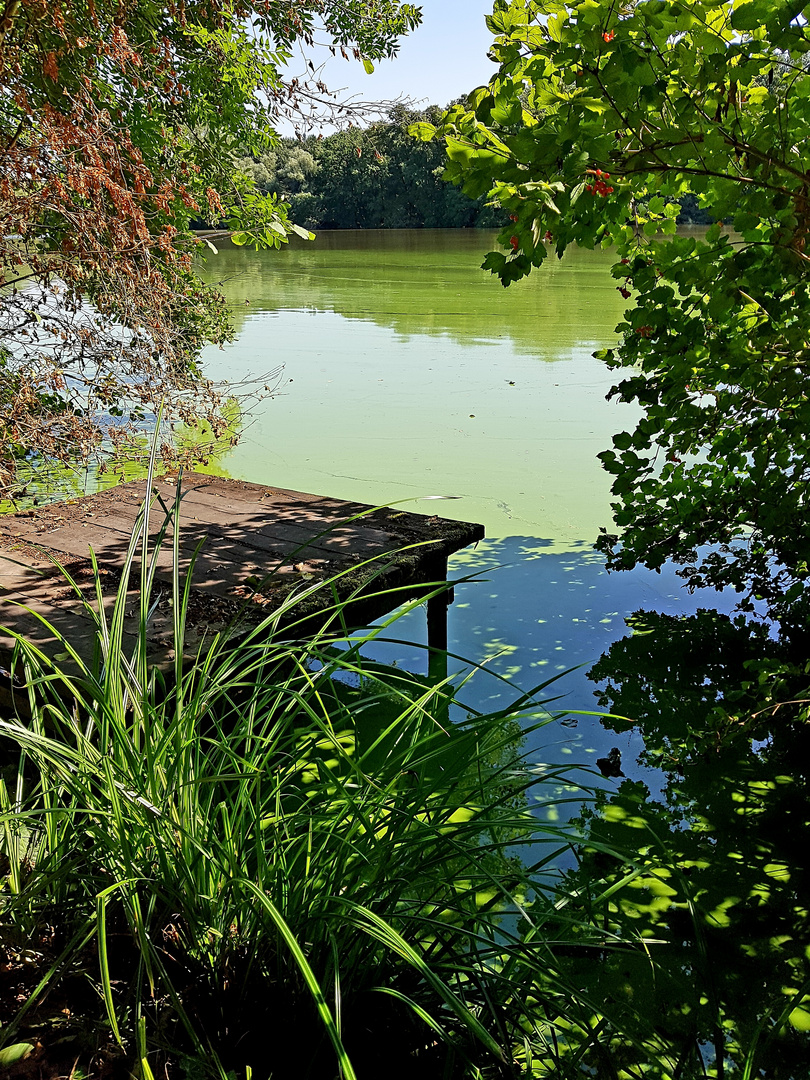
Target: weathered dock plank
258,544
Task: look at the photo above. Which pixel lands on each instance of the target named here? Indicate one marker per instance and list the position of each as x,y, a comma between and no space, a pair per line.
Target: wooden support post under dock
437,626
259,544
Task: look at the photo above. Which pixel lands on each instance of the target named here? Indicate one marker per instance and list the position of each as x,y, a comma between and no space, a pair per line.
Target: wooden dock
258,545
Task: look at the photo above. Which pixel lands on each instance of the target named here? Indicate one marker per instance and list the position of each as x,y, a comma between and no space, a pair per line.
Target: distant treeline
380,177
692,213
372,178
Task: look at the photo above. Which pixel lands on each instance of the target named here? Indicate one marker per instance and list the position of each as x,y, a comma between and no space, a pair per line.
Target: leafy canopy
601,117
119,120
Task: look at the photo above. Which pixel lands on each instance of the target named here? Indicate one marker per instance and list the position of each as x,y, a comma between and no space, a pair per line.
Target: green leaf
305,234
577,191
749,16
240,239
423,131
368,66
593,104
758,95
10,1055
106,985
623,441
555,24
799,1018
494,262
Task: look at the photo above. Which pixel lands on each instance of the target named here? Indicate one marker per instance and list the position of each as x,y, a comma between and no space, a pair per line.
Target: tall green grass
280,859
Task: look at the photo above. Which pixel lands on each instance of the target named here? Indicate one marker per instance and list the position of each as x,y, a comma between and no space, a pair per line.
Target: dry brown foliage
118,125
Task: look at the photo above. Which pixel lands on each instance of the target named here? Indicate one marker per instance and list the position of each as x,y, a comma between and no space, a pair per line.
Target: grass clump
280,859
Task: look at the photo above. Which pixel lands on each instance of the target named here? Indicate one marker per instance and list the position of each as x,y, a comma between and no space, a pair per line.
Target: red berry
513,240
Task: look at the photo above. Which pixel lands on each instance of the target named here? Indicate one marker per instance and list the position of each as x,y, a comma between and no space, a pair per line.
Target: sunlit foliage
603,115
117,125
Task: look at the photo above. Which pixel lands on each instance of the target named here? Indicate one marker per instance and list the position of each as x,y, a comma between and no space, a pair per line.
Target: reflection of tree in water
679,678
702,885
717,871
426,282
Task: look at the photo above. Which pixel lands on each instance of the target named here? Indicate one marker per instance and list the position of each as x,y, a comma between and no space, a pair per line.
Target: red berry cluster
513,240
644,331
624,290
609,35
599,187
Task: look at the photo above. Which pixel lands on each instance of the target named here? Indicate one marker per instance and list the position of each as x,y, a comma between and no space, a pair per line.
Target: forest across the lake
380,177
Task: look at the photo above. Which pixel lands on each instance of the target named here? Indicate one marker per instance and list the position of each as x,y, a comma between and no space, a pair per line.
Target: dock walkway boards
258,545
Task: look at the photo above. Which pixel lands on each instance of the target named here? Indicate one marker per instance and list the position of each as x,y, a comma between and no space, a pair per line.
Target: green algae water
412,376
409,373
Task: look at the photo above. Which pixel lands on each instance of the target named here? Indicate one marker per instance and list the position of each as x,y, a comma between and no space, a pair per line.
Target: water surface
409,373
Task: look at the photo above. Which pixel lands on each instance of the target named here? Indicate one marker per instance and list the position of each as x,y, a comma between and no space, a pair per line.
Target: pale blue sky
445,57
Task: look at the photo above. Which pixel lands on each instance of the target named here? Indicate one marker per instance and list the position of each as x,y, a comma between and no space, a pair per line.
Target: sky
444,58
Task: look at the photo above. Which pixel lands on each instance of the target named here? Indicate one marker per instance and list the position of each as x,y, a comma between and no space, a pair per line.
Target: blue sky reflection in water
410,373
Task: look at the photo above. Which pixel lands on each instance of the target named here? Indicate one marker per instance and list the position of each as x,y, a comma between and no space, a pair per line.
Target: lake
411,377
411,374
